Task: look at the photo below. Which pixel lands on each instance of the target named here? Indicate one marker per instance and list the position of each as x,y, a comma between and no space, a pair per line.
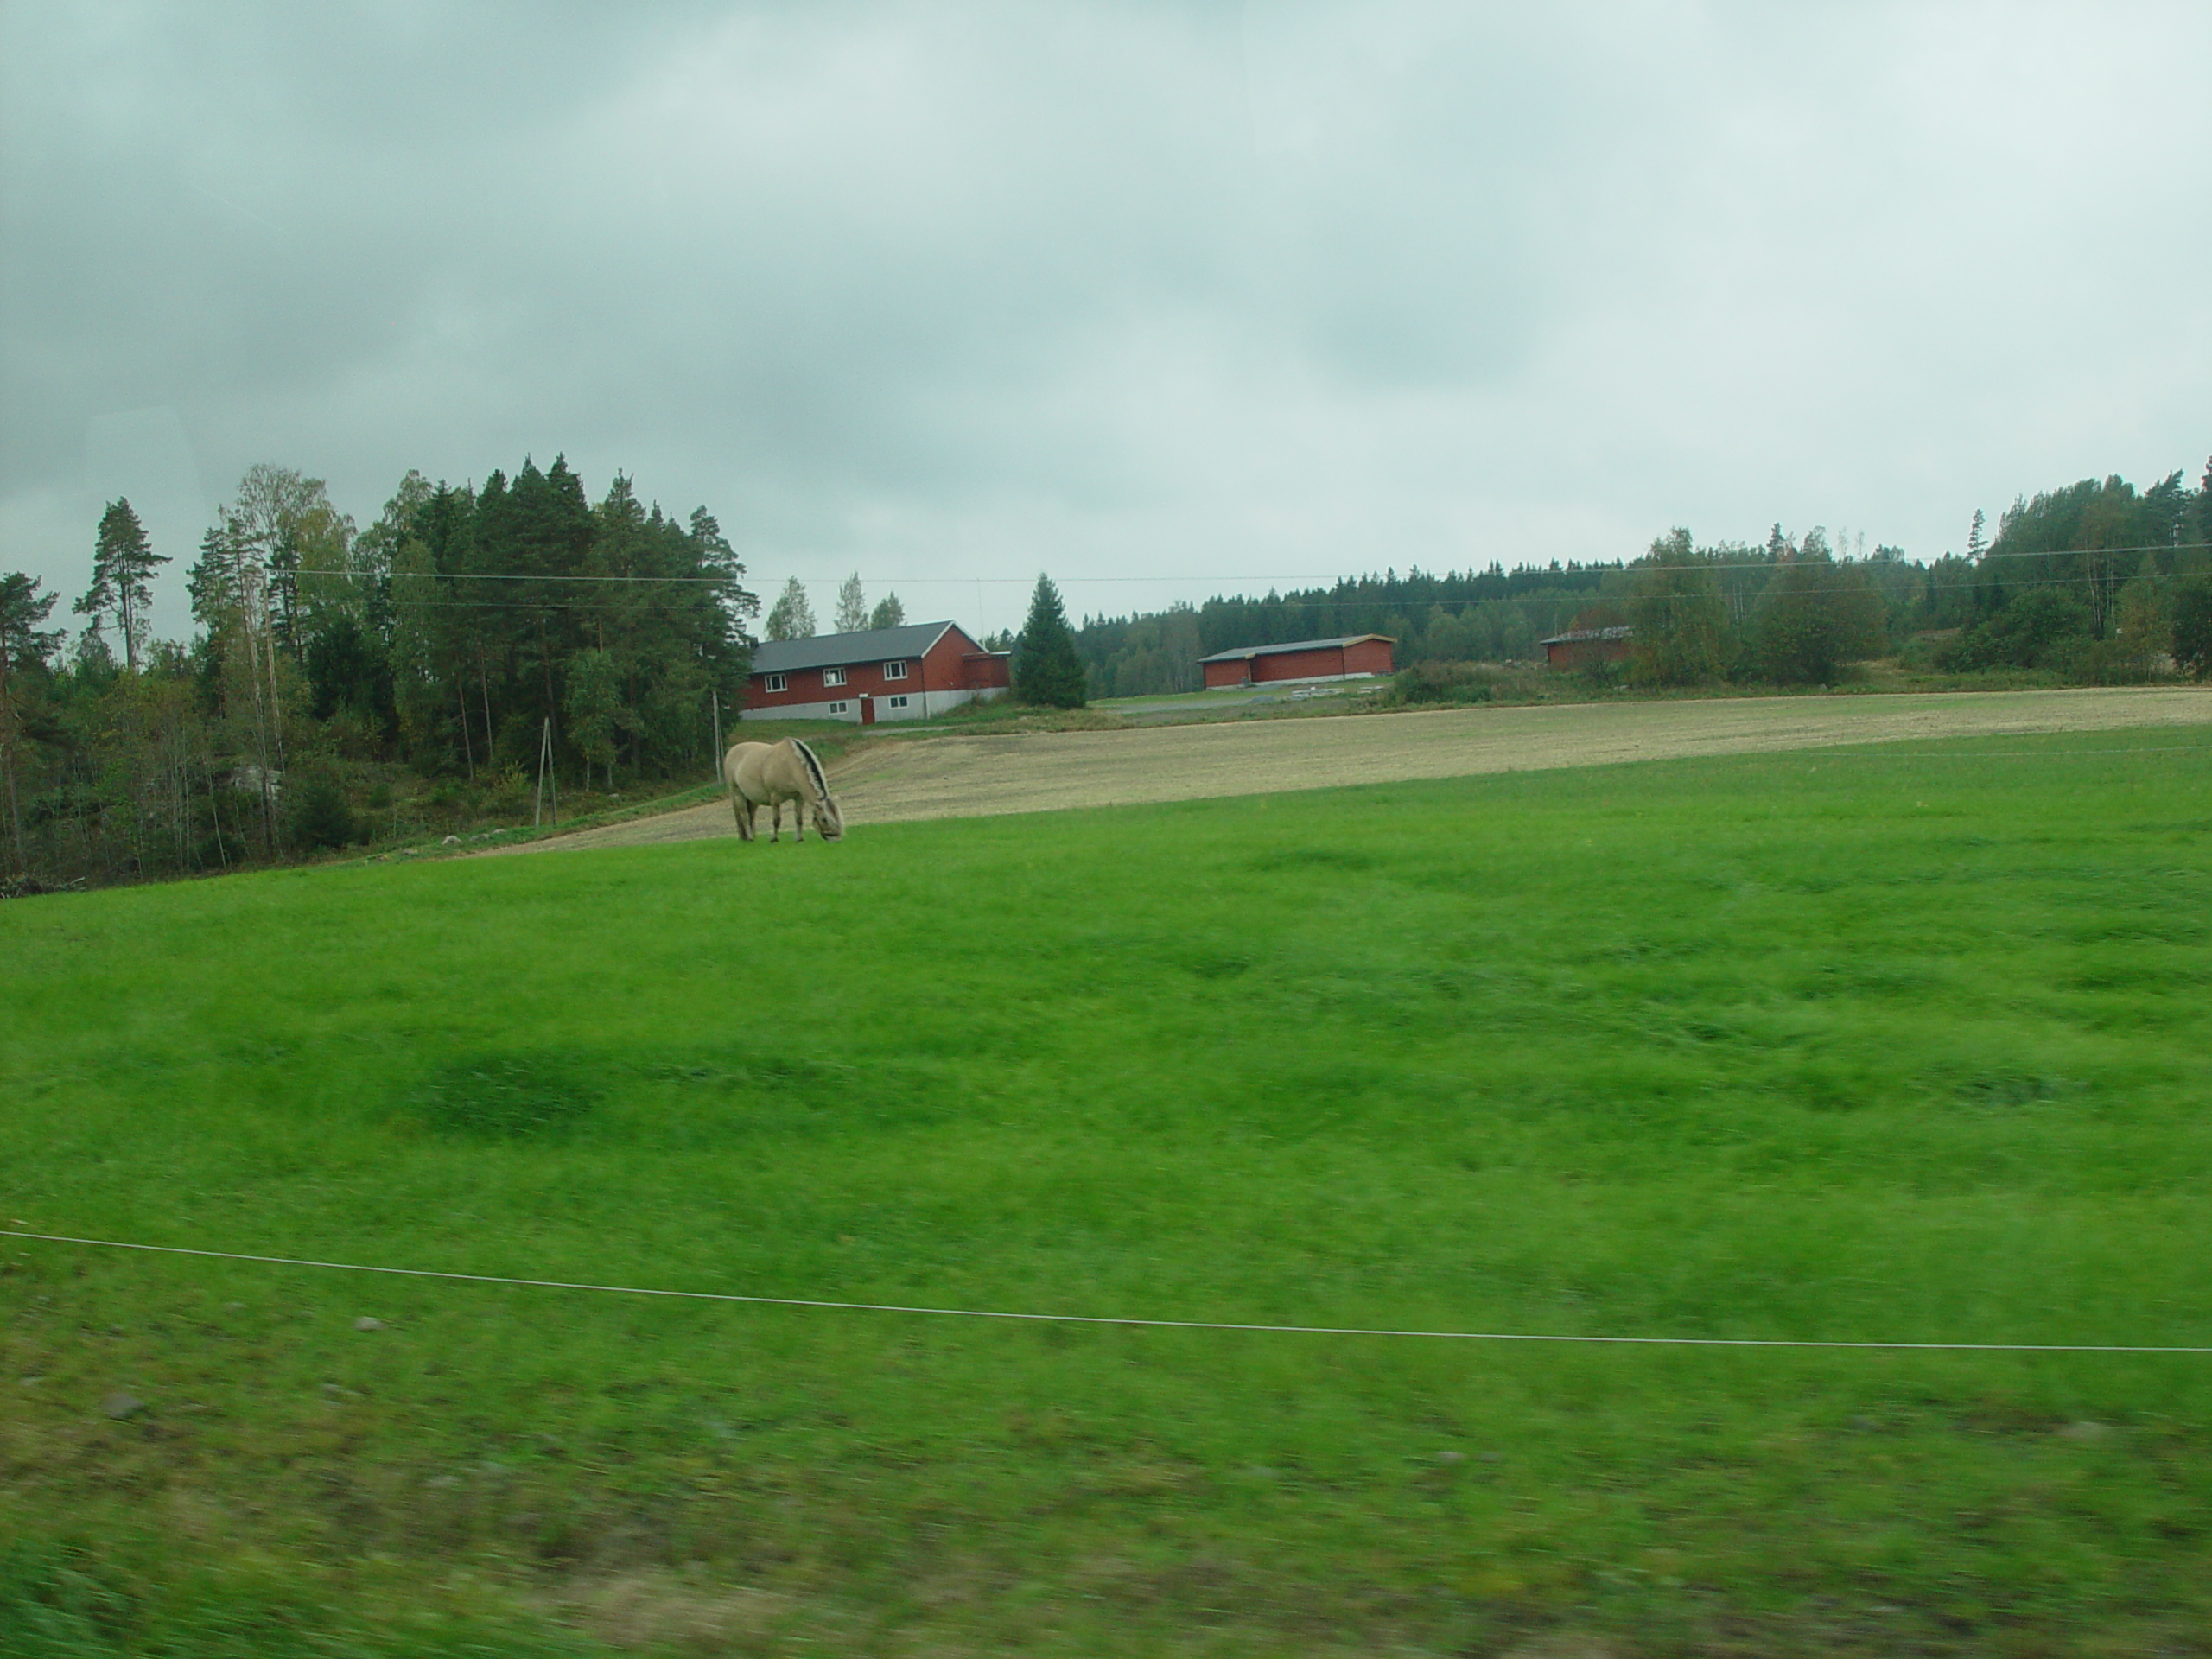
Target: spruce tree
1046,670
123,570
888,612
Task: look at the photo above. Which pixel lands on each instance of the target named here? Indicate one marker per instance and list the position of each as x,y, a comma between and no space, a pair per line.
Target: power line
830,1304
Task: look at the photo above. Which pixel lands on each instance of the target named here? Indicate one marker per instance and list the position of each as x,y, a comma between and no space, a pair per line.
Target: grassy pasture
1905,1044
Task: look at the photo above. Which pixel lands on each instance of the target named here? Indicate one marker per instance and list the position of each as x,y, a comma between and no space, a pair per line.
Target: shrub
2042,627
2192,627
1441,682
317,815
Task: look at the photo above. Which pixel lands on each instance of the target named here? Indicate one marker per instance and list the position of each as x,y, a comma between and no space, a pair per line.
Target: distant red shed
1355,657
905,673
1579,645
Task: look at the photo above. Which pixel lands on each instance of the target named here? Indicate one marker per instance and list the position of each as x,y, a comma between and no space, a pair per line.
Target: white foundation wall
920,705
843,709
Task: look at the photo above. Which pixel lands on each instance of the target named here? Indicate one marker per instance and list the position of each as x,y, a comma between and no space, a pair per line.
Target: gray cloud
1171,295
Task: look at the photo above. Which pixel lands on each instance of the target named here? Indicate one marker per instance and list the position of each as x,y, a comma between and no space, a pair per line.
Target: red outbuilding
905,673
1580,646
1355,657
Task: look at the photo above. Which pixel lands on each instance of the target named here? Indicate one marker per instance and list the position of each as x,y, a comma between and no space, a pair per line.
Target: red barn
1355,657
906,673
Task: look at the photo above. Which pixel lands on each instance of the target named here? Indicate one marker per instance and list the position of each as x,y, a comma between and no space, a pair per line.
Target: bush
317,815
2041,628
1441,682
2192,627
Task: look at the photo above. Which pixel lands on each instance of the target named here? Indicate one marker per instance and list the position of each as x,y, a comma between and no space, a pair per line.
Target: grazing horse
768,774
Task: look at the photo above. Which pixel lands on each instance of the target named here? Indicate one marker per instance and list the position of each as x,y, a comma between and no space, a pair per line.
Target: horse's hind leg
775,820
741,810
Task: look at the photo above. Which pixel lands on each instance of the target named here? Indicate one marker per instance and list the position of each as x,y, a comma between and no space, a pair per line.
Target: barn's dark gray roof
840,649
1245,654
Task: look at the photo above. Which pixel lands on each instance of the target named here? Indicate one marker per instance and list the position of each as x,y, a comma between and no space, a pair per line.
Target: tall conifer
1046,670
123,570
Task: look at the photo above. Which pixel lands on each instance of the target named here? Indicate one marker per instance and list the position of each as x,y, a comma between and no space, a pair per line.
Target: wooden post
537,802
717,696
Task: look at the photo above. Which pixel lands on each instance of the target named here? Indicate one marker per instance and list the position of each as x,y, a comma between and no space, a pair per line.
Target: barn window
776,682
839,707
897,703
894,670
833,677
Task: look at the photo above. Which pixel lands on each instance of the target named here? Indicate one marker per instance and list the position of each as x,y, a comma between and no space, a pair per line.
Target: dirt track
968,777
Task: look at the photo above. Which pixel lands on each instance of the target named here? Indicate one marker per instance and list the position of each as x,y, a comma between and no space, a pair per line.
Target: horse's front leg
775,820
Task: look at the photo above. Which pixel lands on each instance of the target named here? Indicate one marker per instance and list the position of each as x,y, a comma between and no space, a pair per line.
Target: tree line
471,633
2096,581
475,636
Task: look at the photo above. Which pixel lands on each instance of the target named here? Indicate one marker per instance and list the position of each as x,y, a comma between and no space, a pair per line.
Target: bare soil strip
901,779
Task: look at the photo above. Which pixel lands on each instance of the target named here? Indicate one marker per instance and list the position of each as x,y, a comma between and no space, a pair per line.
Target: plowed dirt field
906,778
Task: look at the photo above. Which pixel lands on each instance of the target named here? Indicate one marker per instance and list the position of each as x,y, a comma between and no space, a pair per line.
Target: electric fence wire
830,1305
1602,568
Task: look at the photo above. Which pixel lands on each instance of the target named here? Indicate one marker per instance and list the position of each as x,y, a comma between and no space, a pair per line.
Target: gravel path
964,776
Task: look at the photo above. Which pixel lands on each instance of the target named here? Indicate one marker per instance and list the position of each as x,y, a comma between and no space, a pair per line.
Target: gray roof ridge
838,649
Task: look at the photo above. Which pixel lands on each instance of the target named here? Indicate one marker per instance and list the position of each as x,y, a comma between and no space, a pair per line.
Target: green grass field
1895,1045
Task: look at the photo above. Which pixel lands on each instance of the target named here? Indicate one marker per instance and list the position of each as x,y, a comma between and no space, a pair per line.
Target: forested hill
2053,584
463,635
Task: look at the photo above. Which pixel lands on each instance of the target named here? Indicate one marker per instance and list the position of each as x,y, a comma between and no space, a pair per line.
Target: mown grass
1888,1045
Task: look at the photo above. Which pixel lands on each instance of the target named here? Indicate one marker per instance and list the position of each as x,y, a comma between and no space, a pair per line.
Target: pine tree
888,612
1975,544
852,605
1046,670
123,570
791,617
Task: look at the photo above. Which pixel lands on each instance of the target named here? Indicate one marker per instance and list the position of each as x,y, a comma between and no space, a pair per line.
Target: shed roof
1245,654
837,650
1575,636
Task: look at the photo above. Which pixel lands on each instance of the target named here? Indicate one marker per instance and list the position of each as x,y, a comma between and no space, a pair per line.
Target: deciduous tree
1679,616
852,605
1814,616
791,617
25,648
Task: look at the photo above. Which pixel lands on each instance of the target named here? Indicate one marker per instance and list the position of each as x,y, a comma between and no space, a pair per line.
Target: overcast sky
1166,300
